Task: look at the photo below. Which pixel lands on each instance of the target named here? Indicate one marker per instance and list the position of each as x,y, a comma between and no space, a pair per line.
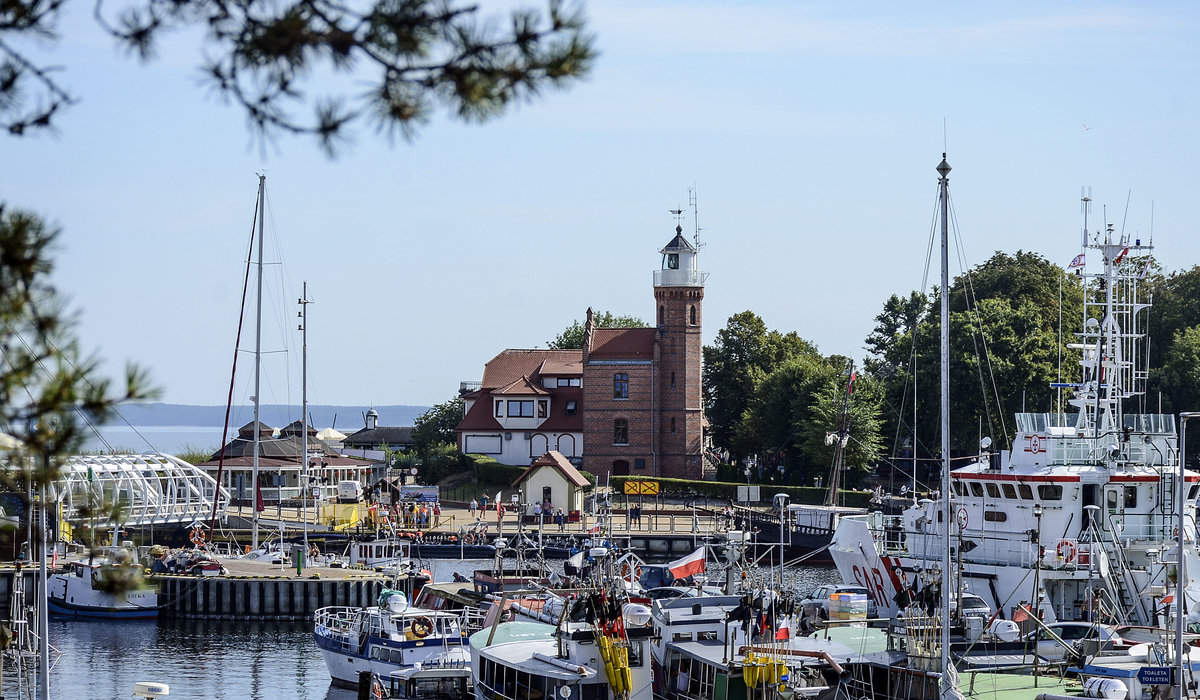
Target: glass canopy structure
152,489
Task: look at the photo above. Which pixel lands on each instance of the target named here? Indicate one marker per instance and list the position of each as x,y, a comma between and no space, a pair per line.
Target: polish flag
785,629
688,566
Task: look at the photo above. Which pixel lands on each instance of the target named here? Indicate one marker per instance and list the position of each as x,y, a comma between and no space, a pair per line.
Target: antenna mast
692,197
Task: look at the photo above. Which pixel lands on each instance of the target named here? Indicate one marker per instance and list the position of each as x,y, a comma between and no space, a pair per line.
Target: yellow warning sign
641,488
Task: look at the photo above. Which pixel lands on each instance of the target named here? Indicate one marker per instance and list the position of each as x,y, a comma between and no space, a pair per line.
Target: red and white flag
1121,256
784,631
1079,261
688,566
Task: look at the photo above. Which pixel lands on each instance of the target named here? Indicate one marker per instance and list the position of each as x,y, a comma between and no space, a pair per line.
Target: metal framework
152,489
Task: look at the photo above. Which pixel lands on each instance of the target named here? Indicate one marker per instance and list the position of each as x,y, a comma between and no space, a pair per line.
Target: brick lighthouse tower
679,415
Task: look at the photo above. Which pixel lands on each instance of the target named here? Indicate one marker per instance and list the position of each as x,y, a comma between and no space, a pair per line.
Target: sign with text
641,488
1155,675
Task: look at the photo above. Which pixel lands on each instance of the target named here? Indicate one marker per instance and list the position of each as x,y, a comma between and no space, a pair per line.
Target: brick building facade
643,403
631,395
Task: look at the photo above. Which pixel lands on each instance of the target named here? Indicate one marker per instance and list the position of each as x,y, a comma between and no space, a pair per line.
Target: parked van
349,492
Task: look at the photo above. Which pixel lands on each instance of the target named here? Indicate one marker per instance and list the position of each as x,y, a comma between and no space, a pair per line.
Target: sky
809,132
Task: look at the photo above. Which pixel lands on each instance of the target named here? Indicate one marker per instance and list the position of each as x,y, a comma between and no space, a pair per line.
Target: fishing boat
391,636
110,591
1076,517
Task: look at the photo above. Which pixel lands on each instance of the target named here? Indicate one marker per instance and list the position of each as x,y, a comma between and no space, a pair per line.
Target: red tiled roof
558,420
520,387
558,461
480,416
511,365
558,368
623,344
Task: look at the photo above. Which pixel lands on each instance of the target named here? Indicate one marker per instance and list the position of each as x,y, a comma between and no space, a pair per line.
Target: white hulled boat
1078,517
85,590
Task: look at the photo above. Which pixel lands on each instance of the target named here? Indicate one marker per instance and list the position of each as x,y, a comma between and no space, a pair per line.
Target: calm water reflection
214,660
198,659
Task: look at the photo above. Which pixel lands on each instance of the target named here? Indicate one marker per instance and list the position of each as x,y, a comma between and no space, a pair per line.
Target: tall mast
262,179
304,486
943,169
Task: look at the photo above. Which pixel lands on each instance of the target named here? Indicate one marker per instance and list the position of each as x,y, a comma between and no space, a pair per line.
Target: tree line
775,396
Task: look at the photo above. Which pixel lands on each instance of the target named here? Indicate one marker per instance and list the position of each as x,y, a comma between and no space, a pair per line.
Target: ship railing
342,624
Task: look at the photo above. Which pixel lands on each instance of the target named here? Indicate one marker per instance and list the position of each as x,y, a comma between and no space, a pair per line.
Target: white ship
1078,518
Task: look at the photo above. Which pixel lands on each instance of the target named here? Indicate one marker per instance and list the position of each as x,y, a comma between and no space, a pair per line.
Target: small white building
553,478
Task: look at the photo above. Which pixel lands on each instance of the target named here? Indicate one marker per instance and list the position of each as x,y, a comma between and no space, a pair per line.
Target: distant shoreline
345,418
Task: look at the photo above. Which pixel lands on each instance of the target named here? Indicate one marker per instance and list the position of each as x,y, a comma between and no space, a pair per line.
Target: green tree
1179,376
799,403
744,353
399,58
48,388
572,337
1004,350
437,425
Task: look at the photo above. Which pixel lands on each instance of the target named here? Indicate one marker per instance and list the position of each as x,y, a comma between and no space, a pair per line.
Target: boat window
1131,496
993,491
1010,492
1050,492
1192,492
976,489
995,516
681,637
959,488
1111,499
1026,492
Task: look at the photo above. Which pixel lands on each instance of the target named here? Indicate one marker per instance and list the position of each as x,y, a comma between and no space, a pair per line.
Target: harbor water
219,659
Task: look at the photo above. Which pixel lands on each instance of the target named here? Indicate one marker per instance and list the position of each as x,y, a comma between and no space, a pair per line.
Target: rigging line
38,361
987,356
282,318
233,378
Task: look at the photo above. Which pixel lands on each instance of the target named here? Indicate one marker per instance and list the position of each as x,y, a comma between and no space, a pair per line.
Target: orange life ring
422,627
198,536
469,538
625,571
376,689
1066,550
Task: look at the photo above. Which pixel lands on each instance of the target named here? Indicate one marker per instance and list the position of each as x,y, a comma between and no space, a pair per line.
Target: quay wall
259,597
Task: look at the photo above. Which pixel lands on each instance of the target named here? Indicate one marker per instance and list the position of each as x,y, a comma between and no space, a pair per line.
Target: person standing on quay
474,506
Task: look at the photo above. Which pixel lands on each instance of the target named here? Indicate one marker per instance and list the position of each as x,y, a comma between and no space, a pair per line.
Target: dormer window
571,408
542,407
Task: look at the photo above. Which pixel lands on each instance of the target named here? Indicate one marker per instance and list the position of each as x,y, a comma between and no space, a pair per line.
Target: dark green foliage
400,59
436,426
1004,350
489,471
744,353
572,337
47,386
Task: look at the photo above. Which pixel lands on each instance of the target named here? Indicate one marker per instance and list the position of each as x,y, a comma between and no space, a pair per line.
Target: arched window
662,315
693,315
620,432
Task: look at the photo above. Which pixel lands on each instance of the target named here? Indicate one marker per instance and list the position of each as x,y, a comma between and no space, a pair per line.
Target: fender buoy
421,627
1066,551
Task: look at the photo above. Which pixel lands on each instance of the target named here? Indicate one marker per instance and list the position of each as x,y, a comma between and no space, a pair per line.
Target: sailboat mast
262,180
304,486
944,196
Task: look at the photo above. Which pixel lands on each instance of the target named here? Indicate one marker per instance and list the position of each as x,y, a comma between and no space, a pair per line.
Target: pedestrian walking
437,514
483,503
473,507
561,519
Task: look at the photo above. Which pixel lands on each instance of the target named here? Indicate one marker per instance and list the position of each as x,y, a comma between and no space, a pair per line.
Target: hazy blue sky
811,131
